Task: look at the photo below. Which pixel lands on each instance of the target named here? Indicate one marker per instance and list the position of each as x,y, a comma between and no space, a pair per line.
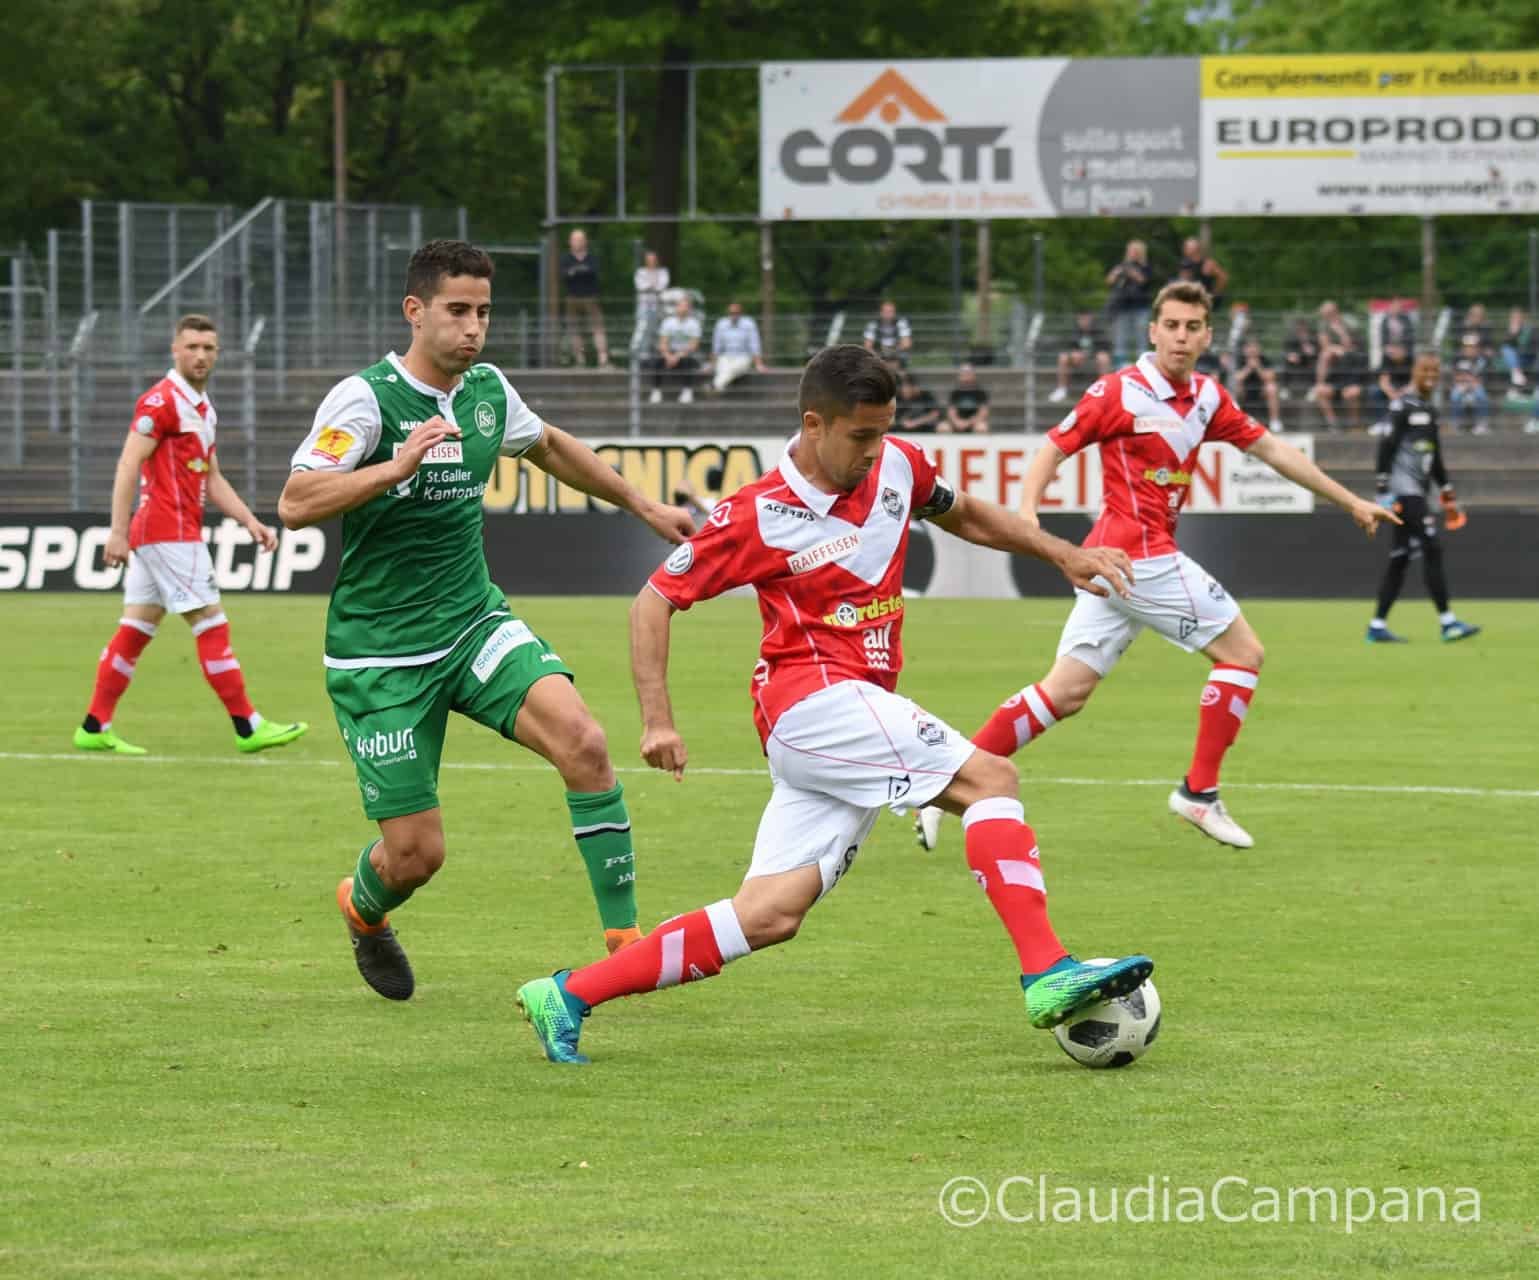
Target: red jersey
172,482
1149,431
828,569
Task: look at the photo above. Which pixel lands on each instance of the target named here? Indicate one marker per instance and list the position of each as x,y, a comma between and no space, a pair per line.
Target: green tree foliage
196,100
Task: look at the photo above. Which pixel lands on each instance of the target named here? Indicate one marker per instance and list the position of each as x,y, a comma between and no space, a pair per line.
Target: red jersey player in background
169,458
1149,420
822,538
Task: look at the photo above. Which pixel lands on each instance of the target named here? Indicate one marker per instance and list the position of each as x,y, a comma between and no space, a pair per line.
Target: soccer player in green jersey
416,628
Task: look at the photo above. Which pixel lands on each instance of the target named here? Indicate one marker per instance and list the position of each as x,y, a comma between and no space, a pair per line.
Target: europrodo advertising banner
1055,137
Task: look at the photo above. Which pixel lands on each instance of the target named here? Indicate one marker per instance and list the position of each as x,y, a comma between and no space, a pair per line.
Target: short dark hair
201,323
1187,291
439,258
839,378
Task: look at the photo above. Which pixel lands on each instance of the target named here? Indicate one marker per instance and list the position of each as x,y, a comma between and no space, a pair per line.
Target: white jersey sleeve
345,432
524,429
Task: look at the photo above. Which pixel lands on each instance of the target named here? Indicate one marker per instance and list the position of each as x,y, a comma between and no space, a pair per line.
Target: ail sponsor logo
877,642
852,615
824,553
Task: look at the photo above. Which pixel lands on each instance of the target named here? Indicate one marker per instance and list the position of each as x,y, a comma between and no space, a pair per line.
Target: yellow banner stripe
1286,155
1386,75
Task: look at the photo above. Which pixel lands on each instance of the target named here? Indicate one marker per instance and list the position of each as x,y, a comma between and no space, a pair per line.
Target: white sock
1447,616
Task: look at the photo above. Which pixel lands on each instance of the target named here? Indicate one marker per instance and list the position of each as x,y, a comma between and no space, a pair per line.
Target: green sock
602,829
371,899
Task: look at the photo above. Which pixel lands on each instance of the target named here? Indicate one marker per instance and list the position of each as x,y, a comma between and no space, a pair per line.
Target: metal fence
304,292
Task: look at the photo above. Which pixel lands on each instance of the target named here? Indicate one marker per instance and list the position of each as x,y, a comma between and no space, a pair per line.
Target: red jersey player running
1149,421
822,538
169,455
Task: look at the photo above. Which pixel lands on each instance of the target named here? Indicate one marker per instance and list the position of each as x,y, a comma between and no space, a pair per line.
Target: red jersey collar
194,398
1161,385
813,498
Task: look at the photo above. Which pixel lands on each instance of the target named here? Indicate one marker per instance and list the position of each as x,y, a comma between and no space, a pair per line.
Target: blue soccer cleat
1383,635
556,1016
1457,630
1072,984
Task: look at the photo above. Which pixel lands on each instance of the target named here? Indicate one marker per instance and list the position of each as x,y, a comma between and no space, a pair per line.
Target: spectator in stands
1398,328
651,279
1086,342
1390,380
676,362
968,408
734,347
1202,268
1467,397
1340,375
917,408
1475,323
580,273
1301,361
1520,347
1127,304
1254,384
890,335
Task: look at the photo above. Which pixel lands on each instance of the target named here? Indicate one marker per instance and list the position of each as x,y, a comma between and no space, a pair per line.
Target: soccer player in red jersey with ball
822,539
169,456
1149,420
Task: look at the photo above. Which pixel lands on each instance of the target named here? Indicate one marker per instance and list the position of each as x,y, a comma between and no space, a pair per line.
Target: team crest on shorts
930,733
892,503
1215,591
486,418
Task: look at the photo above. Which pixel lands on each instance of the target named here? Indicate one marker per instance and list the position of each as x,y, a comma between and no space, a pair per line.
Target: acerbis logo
930,149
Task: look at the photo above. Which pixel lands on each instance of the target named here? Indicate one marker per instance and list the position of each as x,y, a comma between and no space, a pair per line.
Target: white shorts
178,576
1172,595
837,758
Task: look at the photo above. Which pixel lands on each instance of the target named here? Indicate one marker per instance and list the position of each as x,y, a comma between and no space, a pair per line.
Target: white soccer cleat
1211,818
927,825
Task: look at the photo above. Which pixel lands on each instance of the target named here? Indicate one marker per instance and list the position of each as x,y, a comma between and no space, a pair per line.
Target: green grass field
198,1084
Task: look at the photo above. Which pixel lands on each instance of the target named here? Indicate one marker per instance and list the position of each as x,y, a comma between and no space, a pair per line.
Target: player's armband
942,498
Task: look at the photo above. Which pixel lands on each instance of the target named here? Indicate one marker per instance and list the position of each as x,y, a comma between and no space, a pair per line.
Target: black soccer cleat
376,950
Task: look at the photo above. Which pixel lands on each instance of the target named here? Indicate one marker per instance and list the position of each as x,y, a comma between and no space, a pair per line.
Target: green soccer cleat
267,734
106,740
1071,984
555,1015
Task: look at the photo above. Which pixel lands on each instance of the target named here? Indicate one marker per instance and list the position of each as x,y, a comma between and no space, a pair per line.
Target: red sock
1225,700
219,664
684,949
1002,851
1029,714
116,667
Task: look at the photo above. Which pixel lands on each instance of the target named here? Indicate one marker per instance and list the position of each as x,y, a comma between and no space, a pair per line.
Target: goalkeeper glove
1453,515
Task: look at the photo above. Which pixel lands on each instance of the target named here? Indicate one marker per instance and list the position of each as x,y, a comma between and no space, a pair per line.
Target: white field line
1027,779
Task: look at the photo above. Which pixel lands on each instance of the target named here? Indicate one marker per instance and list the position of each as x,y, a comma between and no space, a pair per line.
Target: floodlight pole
767,290
1428,270
551,345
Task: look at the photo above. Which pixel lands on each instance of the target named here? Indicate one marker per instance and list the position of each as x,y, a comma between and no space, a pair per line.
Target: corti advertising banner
1401,133
1054,137
983,138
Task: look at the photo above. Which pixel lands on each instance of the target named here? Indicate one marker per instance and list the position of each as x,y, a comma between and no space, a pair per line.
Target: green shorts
393,718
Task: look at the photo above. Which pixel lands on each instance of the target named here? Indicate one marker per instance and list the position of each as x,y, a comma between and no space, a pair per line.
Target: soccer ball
1112,1033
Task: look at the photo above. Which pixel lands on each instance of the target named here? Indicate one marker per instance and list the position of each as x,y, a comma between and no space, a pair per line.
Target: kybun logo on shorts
862,154
486,418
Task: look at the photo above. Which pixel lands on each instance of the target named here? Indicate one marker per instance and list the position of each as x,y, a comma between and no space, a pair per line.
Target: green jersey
413,580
